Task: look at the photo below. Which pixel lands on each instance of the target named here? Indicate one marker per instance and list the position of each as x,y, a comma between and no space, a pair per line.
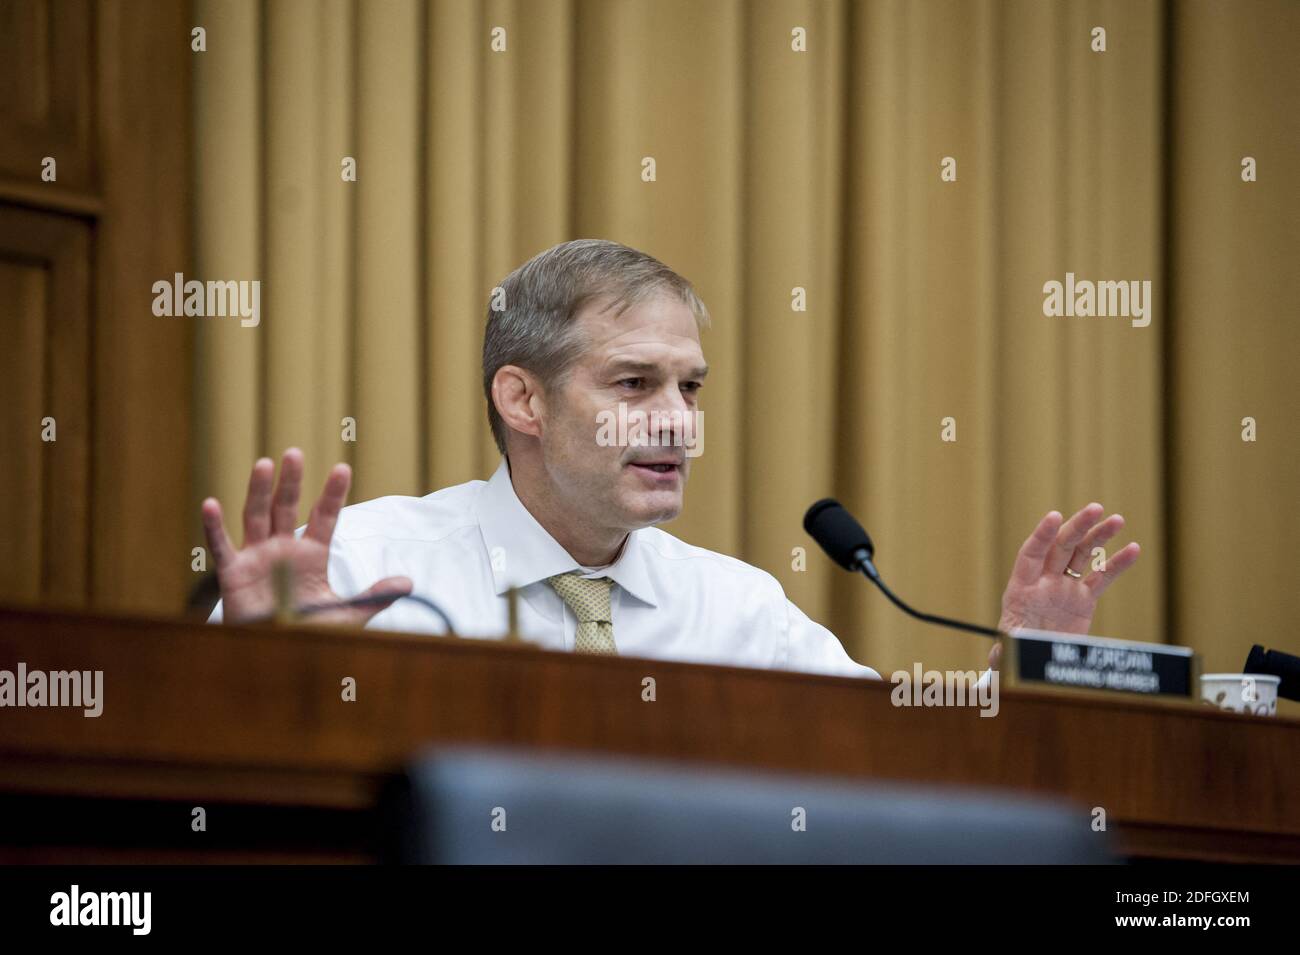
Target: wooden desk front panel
255,715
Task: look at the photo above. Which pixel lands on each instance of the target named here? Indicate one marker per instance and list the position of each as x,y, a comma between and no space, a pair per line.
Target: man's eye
632,382
692,386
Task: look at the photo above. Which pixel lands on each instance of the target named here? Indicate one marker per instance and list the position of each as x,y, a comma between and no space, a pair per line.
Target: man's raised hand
270,514
1052,586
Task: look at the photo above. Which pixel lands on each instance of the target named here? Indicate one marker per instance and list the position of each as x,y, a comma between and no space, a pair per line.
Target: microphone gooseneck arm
307,610
869,571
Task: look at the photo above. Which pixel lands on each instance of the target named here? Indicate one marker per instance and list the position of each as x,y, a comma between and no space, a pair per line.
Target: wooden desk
249,723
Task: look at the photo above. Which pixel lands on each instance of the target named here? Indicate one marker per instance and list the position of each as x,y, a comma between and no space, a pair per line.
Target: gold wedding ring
1074,573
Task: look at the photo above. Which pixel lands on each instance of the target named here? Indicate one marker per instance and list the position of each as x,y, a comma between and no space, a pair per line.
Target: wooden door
94,389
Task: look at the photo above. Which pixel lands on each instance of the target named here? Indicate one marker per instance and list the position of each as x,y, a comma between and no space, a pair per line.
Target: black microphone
1279,664
846,543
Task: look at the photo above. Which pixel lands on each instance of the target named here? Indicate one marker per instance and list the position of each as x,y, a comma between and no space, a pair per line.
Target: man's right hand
245,575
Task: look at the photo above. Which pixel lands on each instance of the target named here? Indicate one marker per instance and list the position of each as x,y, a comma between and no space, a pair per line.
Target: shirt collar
521,552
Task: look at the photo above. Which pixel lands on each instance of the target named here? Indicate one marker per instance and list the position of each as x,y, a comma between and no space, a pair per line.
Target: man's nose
668,416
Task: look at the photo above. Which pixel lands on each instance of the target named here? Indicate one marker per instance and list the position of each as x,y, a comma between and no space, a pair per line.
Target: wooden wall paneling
143,363
47,67
44,372
24,290
103,516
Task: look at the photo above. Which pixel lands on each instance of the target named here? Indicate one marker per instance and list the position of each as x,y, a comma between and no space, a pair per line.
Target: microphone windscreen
1279,664
837,532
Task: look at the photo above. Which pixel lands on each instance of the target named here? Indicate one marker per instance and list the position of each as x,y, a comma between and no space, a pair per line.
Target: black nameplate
1079,662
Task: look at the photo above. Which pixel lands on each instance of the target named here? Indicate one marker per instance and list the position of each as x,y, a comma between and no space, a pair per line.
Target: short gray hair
543,296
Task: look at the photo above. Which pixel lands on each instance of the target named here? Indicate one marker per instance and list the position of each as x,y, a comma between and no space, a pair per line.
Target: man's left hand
1041,594
1053,585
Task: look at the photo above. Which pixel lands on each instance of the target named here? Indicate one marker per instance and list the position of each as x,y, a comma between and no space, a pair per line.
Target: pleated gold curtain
779,170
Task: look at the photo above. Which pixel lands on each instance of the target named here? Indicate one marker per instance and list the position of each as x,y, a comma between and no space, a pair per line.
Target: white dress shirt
465,546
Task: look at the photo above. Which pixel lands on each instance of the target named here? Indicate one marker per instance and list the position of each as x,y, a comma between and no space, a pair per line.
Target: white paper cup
1254,694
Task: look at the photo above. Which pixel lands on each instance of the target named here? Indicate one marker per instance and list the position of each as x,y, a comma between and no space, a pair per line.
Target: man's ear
517,394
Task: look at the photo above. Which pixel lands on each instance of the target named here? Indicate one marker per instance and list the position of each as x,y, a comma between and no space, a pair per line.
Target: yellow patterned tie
588,598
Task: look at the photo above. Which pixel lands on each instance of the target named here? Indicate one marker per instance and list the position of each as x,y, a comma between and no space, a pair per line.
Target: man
568,518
